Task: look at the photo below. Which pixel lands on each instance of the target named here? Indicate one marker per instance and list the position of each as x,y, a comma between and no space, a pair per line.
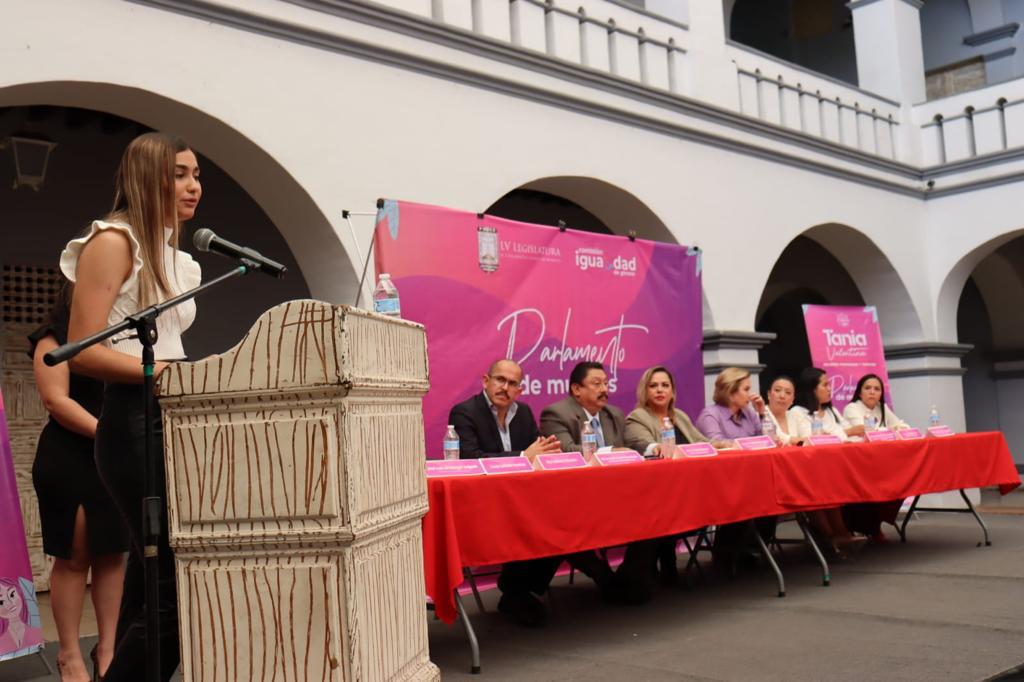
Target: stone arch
319,252
952,287
617,210
872,273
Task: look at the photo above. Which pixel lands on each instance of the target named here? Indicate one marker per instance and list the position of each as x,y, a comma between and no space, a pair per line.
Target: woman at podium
124,263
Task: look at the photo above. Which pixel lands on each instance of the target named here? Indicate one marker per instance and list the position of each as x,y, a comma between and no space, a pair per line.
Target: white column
713,76
732,349
890,60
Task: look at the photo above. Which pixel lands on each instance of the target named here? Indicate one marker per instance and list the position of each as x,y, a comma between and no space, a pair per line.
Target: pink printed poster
487,288
20,626
846,342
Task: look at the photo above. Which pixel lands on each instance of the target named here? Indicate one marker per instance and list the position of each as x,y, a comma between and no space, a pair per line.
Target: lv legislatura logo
587,258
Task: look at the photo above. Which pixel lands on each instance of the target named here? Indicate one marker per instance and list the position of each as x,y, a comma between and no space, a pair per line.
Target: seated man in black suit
588,403
493,424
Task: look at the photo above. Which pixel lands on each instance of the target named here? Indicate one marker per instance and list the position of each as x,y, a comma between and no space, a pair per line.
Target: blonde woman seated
814,400
791,426
869,401
655,402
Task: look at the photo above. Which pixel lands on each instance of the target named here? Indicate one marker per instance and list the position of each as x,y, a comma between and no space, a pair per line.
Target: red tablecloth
484,520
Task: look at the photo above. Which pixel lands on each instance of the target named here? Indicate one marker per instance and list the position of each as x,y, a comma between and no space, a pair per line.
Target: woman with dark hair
791,426
126,262
82,529
814,400
869,401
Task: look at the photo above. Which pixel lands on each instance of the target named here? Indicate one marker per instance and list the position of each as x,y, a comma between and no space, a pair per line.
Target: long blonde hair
144,199
641,388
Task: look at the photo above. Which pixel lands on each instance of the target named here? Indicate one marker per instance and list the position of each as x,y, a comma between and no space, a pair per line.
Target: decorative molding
927,372
718,340
455,38
993,34
999,54
927,349
717,367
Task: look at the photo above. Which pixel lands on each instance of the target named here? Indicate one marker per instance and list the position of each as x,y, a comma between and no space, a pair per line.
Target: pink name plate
940,431
909,434
437,468
561,460
824,439
607,459
697,450
755,443
506,465
880,436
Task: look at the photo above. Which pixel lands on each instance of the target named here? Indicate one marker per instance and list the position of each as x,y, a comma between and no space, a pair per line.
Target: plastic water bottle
668,439
933,417
385,297
870,423
768,427
451,443
588,441
816,425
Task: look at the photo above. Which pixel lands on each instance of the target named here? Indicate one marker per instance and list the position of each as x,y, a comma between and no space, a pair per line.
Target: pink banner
487,288
20,627
846,342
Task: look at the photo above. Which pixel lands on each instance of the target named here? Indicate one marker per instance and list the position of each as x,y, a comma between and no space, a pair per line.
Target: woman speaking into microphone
125,263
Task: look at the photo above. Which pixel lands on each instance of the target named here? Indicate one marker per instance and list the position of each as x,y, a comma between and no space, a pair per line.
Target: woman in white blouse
126,262
814,400
869,401
791,426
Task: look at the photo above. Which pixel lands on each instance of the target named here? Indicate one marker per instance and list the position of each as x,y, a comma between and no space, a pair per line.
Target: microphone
206,240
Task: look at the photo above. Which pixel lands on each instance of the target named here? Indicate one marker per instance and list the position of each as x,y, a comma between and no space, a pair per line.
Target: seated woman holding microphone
869,401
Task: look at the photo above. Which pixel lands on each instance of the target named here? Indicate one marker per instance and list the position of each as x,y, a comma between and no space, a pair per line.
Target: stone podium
295,489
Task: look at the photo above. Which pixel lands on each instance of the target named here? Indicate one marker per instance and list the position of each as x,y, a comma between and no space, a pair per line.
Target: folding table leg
906,519
467,573
984,528
768,556
474,646
826,577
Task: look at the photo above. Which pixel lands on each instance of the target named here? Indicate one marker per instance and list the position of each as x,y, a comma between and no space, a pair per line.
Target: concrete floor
938,608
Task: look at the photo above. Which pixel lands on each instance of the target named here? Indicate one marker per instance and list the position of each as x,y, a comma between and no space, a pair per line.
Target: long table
483,520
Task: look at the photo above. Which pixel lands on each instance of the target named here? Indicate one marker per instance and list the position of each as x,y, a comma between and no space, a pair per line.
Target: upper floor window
816,34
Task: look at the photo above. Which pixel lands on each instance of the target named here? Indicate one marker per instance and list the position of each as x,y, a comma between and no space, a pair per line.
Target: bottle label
668,435
451,445
386,306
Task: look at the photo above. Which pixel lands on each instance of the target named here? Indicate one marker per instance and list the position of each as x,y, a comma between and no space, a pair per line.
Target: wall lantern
31,156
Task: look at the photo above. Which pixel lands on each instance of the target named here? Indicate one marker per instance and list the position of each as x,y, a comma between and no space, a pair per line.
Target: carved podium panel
295,490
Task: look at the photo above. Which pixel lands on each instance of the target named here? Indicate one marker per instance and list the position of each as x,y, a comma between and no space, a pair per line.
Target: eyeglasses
502,381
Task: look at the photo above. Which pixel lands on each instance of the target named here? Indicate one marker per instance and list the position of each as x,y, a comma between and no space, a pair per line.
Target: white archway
309,234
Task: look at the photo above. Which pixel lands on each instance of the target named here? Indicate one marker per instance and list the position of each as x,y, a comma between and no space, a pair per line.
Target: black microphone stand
144,325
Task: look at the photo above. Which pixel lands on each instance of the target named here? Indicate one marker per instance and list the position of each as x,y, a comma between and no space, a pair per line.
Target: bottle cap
451,426
385,275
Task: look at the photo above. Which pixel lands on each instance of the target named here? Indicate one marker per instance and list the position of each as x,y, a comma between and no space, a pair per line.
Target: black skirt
65,478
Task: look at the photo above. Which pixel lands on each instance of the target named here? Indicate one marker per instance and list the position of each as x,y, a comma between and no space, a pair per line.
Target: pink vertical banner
846,342
487,288
20,627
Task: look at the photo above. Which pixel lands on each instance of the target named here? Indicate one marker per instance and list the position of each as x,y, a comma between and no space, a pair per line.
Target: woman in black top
81,526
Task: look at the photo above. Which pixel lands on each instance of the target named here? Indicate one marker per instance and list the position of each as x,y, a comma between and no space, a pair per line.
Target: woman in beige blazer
655,400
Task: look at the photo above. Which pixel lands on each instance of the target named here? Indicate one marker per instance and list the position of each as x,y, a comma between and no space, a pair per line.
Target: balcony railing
778,92
973,124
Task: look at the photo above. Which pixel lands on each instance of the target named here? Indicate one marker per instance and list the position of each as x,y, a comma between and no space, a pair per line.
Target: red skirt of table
482,520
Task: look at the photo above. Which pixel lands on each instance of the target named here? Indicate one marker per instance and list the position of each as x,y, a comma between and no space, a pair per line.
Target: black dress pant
120,459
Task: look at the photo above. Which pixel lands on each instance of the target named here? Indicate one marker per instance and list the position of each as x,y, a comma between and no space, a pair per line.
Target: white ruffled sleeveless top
183,274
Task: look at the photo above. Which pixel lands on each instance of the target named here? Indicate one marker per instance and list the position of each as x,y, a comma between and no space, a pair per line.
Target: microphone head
203,238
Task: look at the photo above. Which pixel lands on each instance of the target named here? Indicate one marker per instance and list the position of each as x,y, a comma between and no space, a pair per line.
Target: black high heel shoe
96,677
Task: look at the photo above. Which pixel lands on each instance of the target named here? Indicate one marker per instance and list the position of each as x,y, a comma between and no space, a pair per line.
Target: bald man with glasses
493,424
